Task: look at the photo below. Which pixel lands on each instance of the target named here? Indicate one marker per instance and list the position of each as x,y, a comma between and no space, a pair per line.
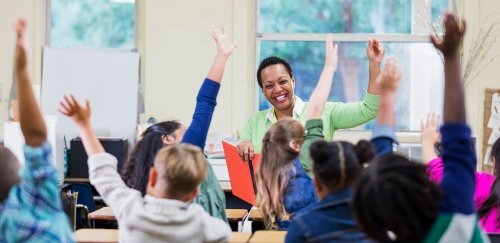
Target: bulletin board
491,125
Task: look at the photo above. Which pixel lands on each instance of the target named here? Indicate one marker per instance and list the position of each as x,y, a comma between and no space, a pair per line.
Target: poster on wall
491,125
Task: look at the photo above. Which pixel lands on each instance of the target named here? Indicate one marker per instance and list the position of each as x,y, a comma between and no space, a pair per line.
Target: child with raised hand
487,189
284,185
167,133
394,200
30,204
166,212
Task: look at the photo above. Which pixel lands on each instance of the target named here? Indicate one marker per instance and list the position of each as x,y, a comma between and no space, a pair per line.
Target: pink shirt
484,182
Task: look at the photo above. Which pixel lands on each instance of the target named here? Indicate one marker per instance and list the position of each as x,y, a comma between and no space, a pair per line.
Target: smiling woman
276,80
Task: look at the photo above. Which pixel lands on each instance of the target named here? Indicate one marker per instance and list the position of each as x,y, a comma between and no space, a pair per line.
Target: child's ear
168,139
294,145
153,178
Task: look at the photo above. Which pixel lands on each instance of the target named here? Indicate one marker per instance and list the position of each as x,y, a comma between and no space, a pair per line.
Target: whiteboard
108,78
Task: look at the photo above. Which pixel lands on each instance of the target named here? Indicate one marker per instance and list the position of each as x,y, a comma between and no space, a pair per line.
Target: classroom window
92,23
295,30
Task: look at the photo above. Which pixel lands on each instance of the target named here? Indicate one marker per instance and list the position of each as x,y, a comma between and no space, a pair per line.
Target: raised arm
429,137
375,52
103,172
458,155
80,115
383,135
32,123
224,49
320,94
206,100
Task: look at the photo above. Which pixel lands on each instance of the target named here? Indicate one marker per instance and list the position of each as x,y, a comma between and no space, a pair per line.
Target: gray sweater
149,219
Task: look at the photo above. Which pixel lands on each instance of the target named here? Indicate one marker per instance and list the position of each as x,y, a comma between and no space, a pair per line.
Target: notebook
241,174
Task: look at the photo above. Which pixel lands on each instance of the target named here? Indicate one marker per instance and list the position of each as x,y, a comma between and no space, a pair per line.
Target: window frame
340,37
48,30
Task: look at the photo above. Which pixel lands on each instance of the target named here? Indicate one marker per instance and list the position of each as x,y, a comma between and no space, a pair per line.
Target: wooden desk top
104,213
236,214
239,237
96,235
268,236
255,215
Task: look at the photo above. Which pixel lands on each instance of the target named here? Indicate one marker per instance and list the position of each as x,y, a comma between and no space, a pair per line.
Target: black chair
85,204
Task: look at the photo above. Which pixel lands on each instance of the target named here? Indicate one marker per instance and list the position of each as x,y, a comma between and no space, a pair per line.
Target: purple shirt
484,182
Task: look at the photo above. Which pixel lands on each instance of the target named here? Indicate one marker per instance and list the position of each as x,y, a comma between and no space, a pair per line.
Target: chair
85,204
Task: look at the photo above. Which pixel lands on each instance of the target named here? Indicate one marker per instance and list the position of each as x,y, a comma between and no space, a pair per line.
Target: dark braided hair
136,171
337,165
273,60
493,200
394,200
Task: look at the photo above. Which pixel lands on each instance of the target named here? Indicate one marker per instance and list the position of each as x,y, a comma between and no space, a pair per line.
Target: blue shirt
300,195
211,196
329,221
33,211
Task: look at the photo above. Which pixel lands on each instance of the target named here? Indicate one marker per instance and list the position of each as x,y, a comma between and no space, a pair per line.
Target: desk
268,236
104,213
236,214
96,235
255,215
239,237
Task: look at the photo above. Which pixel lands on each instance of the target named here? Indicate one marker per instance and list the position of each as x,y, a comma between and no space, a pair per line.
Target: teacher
276,80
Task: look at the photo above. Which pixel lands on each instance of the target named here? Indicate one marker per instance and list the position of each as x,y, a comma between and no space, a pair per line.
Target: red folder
241,174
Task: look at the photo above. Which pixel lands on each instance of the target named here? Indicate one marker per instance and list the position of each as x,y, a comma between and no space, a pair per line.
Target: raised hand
375,51
224,46
429,129
331,58
71,108
20,58
454,31
388,80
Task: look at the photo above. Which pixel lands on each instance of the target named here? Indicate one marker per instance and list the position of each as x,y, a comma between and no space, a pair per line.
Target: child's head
337,165
178,171
9,174
136,170
395,195
281,145
493,200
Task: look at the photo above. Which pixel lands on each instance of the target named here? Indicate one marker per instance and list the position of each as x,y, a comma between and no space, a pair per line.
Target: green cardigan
336,115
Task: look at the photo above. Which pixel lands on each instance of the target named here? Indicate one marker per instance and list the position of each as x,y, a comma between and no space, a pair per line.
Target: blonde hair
182,167
275,166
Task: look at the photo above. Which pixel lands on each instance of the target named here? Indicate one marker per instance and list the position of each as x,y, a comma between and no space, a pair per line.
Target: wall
10,10
178,52
475,13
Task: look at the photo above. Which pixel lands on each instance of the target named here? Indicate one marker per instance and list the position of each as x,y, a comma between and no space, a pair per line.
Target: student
169,133
336,167
275,78
30,203
165,213
486,194
394,200
284,184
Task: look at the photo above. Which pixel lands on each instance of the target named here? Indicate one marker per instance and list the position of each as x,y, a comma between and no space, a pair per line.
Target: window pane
421,88
341,16
93,23
349,16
